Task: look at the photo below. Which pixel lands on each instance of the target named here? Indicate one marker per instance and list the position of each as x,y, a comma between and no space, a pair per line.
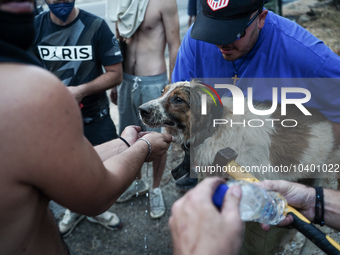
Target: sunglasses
249,23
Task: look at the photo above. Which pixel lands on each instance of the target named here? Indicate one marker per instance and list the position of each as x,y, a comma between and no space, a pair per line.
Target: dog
310,143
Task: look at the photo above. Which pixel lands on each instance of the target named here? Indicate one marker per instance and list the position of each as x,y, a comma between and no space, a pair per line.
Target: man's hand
198,227
131,134
77,92
159,144
298,196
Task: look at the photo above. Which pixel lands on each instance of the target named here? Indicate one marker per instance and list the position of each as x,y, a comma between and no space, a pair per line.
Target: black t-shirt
77,52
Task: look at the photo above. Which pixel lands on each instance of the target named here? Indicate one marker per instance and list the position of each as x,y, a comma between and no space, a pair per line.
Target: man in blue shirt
240,39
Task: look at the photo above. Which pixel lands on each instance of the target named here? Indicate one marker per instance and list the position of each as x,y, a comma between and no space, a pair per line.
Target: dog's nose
144,111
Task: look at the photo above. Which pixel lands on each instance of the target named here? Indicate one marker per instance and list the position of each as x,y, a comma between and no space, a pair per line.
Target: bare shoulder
157,13
170,5
160,8
26,85
34,107
33,94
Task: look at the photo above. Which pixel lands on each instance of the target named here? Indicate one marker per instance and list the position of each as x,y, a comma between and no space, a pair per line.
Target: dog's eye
162,91
177,100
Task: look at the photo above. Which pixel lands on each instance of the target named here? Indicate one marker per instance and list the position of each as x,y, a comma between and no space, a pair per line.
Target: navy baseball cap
222,22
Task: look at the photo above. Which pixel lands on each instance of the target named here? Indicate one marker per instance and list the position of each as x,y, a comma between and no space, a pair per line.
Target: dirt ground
142,235
321,18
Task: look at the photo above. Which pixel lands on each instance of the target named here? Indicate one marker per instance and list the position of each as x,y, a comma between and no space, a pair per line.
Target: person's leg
151,89
158,170
137,188
69,221
124,101
143,90
108,220
128,93
157,205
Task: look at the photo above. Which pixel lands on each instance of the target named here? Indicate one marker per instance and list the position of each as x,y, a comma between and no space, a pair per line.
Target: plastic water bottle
257,204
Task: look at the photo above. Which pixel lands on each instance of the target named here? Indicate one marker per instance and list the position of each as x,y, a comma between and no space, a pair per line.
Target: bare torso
145,49
27,224
31,227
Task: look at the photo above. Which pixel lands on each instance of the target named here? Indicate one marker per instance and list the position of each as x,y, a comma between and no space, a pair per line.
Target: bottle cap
219,195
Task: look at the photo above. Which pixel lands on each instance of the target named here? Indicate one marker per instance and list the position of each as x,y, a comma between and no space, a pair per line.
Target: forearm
128,137
332,208
124,167
100,183
172,62
110,149
102,83
103,185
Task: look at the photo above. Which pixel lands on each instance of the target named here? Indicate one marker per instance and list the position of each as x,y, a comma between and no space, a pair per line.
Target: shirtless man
43,152
145,71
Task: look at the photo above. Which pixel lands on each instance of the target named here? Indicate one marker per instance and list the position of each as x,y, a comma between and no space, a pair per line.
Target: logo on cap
217,4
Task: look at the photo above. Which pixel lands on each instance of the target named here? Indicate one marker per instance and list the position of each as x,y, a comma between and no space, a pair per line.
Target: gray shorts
135,91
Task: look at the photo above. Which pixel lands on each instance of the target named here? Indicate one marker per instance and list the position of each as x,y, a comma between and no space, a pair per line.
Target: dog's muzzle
151,116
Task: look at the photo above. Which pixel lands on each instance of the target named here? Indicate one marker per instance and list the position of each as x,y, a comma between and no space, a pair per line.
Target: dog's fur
310,142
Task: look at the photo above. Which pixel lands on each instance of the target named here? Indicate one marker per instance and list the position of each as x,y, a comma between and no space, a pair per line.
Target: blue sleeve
184,68
331,66
327,88
325,97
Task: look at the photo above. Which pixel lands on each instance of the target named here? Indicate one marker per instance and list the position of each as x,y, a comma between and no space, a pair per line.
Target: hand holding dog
160,143
131,134
77,92
198,227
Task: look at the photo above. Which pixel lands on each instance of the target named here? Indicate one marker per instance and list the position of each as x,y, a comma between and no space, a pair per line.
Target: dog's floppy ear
202,125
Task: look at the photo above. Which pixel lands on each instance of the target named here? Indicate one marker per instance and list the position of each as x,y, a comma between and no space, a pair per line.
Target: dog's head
179,111
171,111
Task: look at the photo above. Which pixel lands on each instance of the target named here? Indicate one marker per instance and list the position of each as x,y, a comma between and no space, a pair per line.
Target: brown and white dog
310,143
